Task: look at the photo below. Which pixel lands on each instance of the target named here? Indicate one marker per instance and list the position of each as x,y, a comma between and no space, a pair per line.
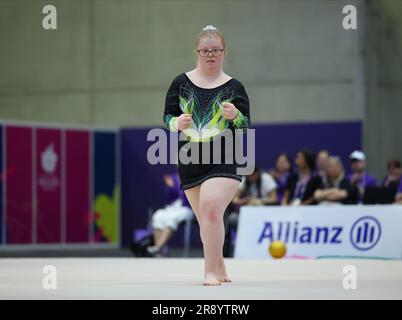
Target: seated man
336,188
359,177
166,220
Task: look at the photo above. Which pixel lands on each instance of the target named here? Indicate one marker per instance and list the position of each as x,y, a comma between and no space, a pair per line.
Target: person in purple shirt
283,169
398,197
166,220
358,177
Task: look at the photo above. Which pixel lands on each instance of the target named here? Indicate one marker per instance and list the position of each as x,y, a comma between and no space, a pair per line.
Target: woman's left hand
229,111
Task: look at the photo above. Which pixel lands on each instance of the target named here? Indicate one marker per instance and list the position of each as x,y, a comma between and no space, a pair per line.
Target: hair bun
209,27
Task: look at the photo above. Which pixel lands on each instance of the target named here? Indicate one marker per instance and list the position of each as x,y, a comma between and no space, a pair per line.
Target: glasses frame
210,51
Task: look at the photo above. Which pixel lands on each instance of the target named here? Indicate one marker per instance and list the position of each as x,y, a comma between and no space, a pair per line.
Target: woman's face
282,164
300,161
211,62
322,160
333,170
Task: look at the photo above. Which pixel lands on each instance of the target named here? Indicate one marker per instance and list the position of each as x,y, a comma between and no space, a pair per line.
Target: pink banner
18,166
49,162
78,186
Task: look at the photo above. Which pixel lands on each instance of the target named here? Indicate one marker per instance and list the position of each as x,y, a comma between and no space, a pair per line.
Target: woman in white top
258,188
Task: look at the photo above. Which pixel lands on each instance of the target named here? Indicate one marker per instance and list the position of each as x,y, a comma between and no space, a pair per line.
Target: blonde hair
210,31
337,160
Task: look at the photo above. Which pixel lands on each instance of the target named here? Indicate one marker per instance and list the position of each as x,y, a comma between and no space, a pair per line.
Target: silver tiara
209,27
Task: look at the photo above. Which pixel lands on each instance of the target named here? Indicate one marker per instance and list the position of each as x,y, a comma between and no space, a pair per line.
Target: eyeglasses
214,52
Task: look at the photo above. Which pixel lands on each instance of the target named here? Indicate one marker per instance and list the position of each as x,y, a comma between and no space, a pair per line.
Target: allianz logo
364,233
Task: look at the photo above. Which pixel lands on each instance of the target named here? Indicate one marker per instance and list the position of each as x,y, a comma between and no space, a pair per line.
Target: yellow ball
277,249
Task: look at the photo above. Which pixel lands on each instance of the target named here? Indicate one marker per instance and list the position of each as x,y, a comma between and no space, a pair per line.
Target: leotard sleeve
242,103
172,109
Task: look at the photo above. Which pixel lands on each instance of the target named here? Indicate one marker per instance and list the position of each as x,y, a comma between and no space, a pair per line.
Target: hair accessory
209,27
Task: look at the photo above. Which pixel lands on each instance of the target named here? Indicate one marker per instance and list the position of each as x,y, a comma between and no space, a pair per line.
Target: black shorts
192,174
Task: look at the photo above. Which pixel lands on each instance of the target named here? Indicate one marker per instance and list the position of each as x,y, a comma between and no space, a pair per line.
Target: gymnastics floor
178,278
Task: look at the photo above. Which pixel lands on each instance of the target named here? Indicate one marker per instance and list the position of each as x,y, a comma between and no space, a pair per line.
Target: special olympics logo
365,233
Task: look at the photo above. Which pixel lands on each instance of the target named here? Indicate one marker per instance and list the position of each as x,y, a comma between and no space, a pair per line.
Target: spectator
336,188
398,197
359,178
302,185
283,168
166,220
322,162
393,174
259,188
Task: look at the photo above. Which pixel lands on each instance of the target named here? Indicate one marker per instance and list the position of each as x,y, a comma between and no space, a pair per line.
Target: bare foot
211,280
221,272
224,278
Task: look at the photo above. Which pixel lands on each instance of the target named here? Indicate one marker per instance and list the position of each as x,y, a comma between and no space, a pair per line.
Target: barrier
316,231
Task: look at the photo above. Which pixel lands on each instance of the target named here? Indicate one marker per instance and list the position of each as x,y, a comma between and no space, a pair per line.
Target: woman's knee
211,211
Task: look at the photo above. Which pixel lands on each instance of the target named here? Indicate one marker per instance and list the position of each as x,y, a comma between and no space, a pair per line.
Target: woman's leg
215,195
163,237
158,224
157,235
193,196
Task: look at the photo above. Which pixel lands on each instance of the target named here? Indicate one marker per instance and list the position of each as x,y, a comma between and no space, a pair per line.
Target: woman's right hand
183,121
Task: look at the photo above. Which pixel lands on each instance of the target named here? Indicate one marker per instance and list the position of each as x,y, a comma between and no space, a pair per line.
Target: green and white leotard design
205,107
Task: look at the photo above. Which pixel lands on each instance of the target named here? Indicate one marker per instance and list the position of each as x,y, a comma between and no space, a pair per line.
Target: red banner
49,162
18,169
78,186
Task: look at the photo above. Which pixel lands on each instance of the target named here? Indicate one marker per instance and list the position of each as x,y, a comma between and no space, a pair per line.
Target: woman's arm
271,198
308,201
242,104
314,184
285,198
320,195
336,194
333,194
172,109
240,201
398,198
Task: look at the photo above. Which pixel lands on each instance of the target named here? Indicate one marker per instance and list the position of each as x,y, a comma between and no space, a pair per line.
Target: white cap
357,155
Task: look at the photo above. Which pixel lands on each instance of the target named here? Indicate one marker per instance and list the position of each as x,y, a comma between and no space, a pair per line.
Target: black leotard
205,106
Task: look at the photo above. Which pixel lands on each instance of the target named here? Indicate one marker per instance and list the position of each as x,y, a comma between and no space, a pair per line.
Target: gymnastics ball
277,249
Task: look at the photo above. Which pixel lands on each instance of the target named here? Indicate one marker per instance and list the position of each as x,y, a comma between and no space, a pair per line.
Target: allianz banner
318,231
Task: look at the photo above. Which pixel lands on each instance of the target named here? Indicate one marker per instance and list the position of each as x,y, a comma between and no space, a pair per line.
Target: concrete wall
110,62
383,61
